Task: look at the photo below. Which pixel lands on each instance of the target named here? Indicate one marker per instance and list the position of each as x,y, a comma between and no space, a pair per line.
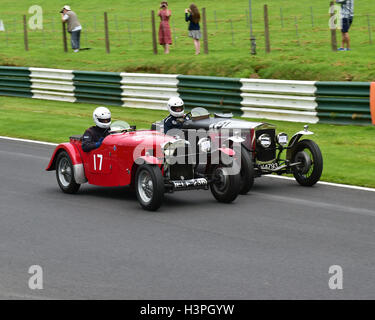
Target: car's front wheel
226,183
247,171
308,153
149,186
65,173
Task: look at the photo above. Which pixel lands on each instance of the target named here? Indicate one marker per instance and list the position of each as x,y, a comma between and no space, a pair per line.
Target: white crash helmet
102,117
176,107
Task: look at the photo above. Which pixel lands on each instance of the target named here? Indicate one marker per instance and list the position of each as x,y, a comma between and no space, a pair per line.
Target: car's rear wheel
225,184
308,153
247,172
149,186
65,174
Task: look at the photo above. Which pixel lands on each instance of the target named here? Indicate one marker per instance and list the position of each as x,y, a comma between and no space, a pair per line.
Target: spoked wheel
149,185
225,185
65,174
247,172
310,170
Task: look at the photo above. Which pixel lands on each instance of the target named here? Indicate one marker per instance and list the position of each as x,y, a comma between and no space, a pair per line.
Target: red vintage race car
149,162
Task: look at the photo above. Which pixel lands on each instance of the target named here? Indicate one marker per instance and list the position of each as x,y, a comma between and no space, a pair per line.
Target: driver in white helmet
94,136
176,117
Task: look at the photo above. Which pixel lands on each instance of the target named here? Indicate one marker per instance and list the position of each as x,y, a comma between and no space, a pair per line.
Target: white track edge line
271,176
347,186
29,141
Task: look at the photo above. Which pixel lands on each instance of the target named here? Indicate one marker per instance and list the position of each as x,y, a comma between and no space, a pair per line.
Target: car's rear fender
75,157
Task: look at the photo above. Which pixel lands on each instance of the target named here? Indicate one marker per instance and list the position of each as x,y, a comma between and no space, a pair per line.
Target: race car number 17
100,161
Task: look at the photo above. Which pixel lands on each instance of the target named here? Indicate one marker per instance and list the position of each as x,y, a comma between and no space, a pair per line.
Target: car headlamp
265,140
204,145
282,139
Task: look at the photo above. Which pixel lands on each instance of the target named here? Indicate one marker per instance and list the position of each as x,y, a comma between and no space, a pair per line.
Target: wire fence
225,32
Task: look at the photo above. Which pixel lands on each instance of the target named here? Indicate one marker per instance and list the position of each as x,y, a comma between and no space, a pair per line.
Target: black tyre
247,172
65,173
225,186
149,187
309,172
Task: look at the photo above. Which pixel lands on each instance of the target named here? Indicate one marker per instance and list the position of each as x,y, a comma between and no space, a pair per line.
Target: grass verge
300,40
348,151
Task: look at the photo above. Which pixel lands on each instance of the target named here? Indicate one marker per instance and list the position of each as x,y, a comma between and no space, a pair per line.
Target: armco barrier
15,82
98,87
52,84
279,100
300,101
213,93
344,102
150,91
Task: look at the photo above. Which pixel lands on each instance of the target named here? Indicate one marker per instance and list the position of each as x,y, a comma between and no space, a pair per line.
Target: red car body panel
113,162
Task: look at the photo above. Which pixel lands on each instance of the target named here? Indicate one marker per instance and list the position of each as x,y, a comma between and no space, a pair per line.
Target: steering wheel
188,116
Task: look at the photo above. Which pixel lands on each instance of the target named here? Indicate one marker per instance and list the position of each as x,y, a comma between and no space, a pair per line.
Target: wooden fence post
106,33
154,43
333,26
205,37
65,44
266,29
25,38
252,38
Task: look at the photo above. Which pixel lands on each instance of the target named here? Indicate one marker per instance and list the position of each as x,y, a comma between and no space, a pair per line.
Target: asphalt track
278,242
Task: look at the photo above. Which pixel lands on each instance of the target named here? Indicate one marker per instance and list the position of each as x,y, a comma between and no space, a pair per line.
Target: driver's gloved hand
99,143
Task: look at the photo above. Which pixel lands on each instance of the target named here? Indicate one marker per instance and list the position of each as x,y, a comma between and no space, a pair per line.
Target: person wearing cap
74,27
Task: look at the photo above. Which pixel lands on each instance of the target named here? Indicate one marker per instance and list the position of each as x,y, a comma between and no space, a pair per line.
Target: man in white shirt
74,27
347,14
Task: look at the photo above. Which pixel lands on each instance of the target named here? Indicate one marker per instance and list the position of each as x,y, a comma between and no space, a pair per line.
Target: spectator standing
165,37
74,27
193,16
347,14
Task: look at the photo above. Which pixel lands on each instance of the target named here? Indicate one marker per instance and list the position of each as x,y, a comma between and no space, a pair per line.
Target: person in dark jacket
176,117
94,136
192,14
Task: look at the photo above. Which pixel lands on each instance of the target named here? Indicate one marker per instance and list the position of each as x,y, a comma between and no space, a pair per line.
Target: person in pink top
165,38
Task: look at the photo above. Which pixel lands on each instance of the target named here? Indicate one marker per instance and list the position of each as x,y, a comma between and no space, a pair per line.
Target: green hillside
306,56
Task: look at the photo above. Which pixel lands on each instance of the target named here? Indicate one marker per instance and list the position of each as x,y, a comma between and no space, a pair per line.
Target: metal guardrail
213,93
279,100
52,84
15,82
302,101
97,87
344,102
150,91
